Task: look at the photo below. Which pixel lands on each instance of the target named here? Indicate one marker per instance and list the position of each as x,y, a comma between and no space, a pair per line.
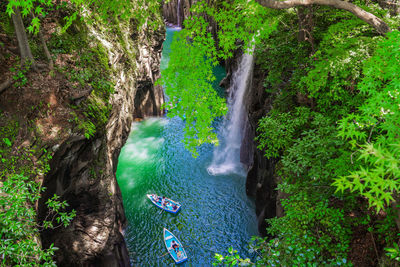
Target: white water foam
226,158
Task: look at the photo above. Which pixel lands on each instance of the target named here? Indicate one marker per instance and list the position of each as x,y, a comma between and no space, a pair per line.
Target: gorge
216,212
304,168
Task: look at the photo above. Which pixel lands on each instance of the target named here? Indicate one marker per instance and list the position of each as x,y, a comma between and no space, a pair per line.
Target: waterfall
226,158
179,13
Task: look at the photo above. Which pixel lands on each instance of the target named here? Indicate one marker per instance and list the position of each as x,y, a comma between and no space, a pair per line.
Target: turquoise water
215,213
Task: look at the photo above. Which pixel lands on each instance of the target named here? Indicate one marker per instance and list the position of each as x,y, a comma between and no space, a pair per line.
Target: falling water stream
178,12
216,213
226,158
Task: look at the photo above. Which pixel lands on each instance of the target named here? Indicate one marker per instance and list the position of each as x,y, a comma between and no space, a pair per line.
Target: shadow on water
215,214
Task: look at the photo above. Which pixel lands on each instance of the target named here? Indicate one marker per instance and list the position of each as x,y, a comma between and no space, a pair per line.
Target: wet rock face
261,180
176,11
83,175
83,171
170,11
149,97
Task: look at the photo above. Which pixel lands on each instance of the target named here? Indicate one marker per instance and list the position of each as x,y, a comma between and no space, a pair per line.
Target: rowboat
170,206
179,255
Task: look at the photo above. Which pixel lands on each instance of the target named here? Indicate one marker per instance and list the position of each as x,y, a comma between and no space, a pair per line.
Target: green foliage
374,129
19,75
394,252
85,125
238,21
36,7
282,55
92,71
336,66
19,193
188,78
19,229
314,159
188,81
378,182
56,212
349,79
6,25
7,142
141,9
19,244
310,232
8,133
96,109
233,259
278,130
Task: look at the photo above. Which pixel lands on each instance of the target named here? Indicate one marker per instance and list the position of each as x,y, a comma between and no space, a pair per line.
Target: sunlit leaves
238,21
233,259
394,252
18,227
379,180
188,81
189,75
141,10
336,67
28,8
375,128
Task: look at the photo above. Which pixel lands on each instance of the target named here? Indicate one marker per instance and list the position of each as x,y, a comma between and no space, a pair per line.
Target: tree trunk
306,26
23,44
369,18
396,207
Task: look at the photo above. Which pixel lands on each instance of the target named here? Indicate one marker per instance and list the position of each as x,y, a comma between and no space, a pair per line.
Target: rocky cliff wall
177,11
83,170
261,179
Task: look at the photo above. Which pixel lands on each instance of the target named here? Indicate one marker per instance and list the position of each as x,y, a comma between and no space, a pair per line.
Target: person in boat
174,207
156,198
163,201
175,246
166,204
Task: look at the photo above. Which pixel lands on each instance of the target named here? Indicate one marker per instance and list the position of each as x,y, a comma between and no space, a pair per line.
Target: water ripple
215,214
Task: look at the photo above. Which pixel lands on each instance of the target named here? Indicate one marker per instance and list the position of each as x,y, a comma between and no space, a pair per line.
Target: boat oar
163,255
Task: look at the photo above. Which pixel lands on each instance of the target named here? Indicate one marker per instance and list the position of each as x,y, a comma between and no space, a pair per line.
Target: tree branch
369,18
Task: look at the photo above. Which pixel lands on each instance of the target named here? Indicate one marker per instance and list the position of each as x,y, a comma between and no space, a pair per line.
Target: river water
216,213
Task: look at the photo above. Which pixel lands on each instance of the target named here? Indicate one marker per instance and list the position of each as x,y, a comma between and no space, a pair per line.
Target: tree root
5,85
46,51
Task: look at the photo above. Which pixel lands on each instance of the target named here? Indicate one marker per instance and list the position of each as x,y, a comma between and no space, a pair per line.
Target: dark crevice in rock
261,179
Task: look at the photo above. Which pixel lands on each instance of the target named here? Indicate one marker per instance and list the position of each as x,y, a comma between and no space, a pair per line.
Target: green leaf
7,142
